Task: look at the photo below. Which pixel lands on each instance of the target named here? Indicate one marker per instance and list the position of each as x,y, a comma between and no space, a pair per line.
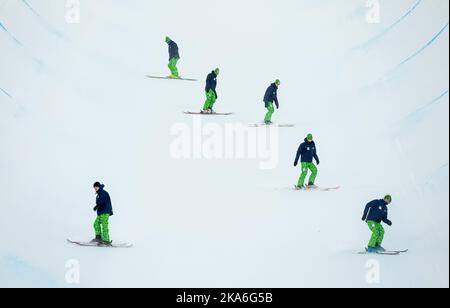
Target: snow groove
391,27
417,53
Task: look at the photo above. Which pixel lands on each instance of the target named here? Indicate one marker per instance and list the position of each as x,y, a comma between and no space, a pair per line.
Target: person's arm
276,99
366,211
299,153
170,50
386,219
100,202
176,50
173,50
316,157
208,83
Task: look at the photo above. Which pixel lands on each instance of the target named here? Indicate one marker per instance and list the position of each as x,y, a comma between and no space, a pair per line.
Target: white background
81,110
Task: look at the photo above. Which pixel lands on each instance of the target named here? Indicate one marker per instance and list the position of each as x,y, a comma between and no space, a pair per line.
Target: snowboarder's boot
374,250
97,239
211,111
105,243
299,187
381,249
268,122
312,186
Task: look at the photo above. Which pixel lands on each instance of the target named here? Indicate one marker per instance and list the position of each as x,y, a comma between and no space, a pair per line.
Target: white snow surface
75,107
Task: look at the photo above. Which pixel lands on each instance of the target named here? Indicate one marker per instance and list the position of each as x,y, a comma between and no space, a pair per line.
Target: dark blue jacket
103,202
211,83
308,152
173,50
377,211
271,95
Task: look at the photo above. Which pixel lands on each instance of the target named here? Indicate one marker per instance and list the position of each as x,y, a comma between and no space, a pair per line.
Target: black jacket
173,50
103,202
271,95
211,83
377,211
307,151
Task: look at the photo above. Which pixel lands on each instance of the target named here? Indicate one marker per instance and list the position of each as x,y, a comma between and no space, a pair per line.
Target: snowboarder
307,151
104,210
271,98
375,213
174,57
211,93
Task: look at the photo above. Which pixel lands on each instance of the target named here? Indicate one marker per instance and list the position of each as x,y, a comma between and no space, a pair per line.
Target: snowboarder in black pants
104,211
375,213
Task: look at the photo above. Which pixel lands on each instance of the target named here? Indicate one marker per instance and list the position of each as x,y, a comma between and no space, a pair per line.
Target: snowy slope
76,108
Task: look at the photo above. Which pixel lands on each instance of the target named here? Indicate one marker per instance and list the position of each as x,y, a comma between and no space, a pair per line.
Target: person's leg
213,100
270,112
210,100
170,66
97,227
104,221
312,178
173,67
375,238
301,181
381,233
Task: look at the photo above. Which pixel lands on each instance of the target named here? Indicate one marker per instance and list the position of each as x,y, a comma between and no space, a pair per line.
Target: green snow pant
305,168
270,112
377,234
211,99
101,227
173,67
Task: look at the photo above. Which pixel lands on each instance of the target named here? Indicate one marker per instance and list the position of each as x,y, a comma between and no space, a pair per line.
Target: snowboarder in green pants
375,213
211,92
174,57
104,211
271,98
307,151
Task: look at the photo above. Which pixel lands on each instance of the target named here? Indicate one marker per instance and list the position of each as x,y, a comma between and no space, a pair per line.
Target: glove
390,224
318,162
96,208
295,164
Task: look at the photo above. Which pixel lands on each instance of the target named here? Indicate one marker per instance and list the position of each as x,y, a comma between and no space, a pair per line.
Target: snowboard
270,125
209,114
168,78
385,253
318,188
89,244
